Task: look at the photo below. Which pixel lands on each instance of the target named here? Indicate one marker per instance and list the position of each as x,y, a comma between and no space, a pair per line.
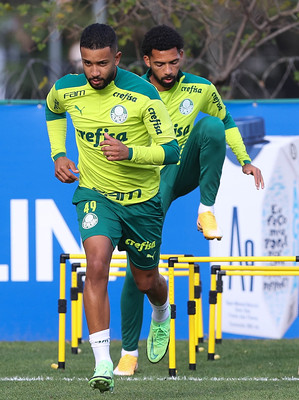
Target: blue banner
39,223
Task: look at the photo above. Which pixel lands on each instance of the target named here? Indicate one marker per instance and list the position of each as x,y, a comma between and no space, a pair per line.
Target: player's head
100,55
161,37
99,36
162,49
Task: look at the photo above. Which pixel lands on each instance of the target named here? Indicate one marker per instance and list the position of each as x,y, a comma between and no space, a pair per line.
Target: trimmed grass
247,369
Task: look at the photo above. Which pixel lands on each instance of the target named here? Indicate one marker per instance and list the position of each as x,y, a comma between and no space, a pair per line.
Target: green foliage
296,76
175,20
220,35
4,9
24,9
125,35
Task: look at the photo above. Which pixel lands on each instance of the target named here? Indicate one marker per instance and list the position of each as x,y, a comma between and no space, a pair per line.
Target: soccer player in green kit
123,134
203,148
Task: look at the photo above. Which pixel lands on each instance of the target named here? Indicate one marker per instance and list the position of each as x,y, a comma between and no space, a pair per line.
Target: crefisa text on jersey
125,96
98,136
180,130
154,120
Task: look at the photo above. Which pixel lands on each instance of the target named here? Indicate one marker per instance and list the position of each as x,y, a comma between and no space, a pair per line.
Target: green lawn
247,369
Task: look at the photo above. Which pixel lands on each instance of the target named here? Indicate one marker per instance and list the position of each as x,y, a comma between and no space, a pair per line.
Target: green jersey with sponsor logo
128,109
192,94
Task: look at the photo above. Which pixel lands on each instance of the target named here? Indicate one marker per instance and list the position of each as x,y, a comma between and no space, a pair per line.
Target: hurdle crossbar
238,259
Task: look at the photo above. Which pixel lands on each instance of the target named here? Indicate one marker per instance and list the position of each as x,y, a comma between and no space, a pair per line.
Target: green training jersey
128,109
192,94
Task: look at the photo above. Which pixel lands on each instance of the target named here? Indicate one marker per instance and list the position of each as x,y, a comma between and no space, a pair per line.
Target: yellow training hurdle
194,313
216,288
215,294
178,265
77,296
194,304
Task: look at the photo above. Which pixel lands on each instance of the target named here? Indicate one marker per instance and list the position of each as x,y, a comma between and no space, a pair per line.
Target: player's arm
161,154
164,150
115,150
235,142
216,108
56,126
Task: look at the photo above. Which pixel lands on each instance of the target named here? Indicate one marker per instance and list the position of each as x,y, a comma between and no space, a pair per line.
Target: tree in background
247,48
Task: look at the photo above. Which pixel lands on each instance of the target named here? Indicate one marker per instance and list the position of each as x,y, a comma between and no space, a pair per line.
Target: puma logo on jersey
151,255
77,108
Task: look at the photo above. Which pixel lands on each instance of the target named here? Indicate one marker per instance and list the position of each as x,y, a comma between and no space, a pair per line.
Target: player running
123,134
203,148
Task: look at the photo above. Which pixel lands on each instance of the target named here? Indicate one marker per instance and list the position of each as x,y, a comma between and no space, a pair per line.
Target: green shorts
136,228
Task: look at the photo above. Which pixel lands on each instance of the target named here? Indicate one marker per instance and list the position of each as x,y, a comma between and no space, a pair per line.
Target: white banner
260,223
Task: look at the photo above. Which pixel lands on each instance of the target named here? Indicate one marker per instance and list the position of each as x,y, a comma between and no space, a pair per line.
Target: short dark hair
161,37
98,36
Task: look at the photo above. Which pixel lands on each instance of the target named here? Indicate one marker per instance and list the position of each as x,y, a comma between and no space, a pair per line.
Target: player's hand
113,149
250,169
64,168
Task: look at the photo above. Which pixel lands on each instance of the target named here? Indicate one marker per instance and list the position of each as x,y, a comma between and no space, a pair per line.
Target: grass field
247,369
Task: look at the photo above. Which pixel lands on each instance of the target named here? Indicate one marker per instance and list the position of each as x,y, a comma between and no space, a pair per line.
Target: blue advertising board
39,223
